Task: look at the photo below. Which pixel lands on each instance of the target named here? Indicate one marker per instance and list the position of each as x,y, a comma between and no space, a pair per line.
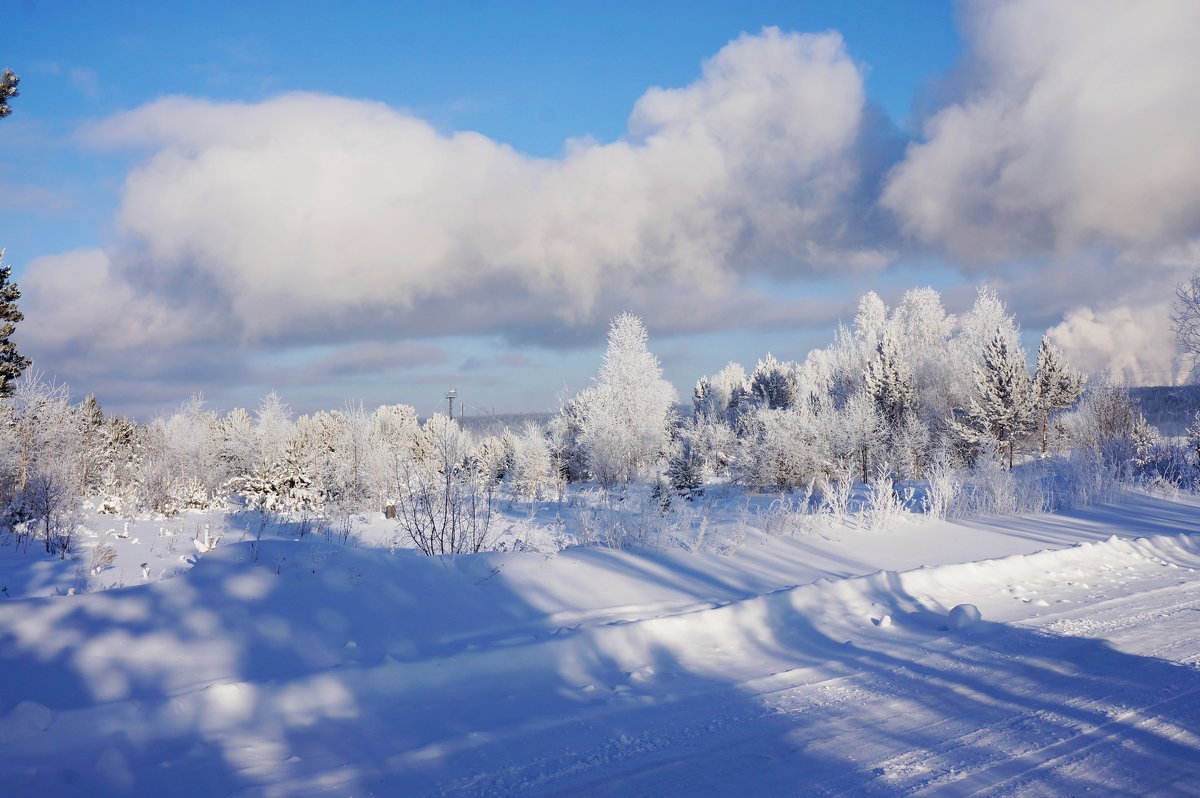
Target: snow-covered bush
532,468
836,490
944,489
446,504
885,504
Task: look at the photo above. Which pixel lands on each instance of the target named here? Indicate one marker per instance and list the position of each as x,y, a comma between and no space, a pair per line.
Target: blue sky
104,184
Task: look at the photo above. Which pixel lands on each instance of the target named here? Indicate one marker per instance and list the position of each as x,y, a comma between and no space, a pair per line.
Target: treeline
898,392
907,393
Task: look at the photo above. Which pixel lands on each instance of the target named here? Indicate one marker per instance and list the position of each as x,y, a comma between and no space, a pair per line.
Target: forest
909,410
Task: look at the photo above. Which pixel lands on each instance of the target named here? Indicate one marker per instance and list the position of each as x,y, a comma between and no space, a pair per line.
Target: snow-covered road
332,671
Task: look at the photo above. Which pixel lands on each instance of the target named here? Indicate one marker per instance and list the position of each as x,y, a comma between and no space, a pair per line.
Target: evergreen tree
1004,400
1056,385
889,383
12,363
773,384
8,90
686,471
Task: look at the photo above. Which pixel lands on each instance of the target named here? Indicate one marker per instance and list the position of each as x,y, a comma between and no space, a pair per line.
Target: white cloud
1078,128
315,211
1067,169
1134,344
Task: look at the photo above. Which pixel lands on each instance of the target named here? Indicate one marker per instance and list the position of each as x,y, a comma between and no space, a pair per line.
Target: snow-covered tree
625,416
1056,386
47,483
855,434
718,396
12,363
869,321
889,383
273,426
773,384
532,473
446,506
780,449
685,470
1004,402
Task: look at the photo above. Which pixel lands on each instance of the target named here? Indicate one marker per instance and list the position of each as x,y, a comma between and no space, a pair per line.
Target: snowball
963,616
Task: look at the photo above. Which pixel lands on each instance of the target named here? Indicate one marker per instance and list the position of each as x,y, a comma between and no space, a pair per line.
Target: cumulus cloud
1077,127
309,210
320,220
1133,344
1066,170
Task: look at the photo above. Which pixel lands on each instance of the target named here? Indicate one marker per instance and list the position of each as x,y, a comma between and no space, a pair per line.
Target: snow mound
963,615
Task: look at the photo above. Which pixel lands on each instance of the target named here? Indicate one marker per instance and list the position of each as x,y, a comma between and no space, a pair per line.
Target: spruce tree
773,385
1057,386
1004,400
12,363
889,383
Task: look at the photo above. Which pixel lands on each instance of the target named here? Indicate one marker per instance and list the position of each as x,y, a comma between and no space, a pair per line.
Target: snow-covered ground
816,660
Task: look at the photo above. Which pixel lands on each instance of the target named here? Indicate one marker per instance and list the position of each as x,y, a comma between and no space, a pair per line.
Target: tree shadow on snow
317,669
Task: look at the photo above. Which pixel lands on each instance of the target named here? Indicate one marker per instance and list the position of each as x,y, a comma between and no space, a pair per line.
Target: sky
378,201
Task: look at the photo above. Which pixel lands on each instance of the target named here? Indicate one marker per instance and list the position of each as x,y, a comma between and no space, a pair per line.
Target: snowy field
755,659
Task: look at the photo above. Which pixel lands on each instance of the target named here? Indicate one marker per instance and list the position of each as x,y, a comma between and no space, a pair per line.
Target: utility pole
451,395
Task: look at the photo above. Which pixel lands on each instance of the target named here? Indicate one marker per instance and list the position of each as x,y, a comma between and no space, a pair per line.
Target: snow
962,616
820,663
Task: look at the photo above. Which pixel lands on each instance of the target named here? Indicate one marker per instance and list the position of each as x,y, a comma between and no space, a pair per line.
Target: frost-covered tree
717,397
191,439
773,384
1110,422
531,472
287,485
1004,402
685,470
237,444
273,426
47,483
446,506
357,475
625,416
869,321
889,383
12,363
92,450
1056,386
855,434
8,89
780,449
1185,318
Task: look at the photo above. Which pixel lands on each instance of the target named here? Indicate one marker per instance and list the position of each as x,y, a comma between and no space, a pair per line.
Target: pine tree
1056,385
773,384
1004,400
889,383
8,90
12,363
686,471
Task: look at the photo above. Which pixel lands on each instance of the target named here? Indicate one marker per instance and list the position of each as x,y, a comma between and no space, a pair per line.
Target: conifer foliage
8,90
12,363
1057,386
1004,401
